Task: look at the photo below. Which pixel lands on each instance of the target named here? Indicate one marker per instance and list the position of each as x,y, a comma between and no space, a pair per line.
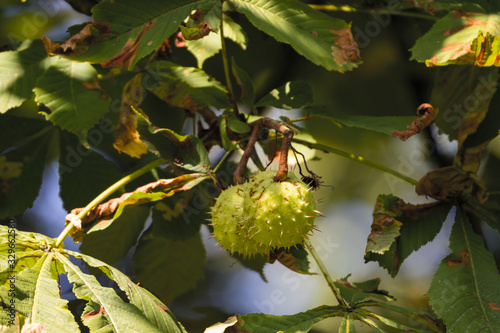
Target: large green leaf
105,310
124,32
19,70
460,92
324,40
187,87
399,229
156,311
19,250
210,45
461,38
73,105
465,291
39,298
113,243
382,124
21,172
300,322
179,262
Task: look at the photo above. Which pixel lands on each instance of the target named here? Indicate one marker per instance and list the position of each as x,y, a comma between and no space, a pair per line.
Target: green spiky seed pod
263,214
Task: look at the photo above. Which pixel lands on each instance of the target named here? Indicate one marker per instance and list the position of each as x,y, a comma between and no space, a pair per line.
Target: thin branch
225,61
326,275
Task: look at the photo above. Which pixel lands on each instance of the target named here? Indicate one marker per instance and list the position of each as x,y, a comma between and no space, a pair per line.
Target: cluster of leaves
112,92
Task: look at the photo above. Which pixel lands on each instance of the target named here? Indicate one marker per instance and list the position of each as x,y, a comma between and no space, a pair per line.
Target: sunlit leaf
465,290
187,87
129,38
210,45
19,71
292,95
73,106
151,307
461,38
105,310
39,298
324,40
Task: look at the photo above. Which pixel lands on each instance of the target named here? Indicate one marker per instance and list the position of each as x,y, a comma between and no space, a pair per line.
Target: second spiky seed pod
263,214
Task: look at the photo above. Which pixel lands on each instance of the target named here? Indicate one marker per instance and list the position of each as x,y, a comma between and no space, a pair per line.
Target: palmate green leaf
21,173
73,106
461,38
114,243
399,229
106,311
210,45
19,250
324,40
156,311
465,291
180,262
187,87
292,95
461,91
300,322
133,30
19,71
39,299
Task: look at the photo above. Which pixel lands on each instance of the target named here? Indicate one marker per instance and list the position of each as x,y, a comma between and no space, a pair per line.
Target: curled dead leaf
34,328
450,183
427,114
128,52
79,42
126,136
105,211
345,50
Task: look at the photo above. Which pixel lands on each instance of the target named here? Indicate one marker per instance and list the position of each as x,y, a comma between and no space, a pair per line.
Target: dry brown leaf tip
427,115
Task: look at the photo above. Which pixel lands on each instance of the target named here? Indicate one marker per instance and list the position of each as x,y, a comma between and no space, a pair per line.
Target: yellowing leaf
126,136
461,38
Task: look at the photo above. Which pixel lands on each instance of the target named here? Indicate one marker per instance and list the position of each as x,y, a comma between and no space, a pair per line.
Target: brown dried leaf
93,313
450,183
126,136
105,211
127,53
345,50
79,42
427,114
